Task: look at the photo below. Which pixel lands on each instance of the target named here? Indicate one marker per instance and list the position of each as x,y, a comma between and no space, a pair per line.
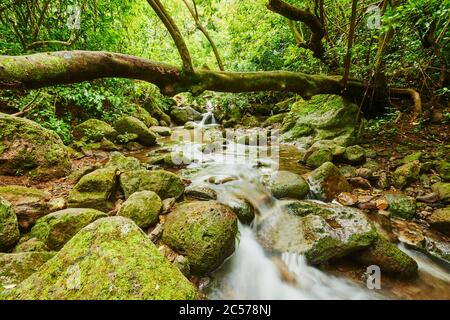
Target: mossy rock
401,206
243,210
56,228
443,168
440,220
29,203
94,130
204,232
94,190
143,208
319,157
442,189
415,156
164,183
9,227
406,174
201,191
128,124
162,131
249,121
16,267
144,116
319,235
110,259
30,245
286,184
277,118
326,182
123,163
355,154
28,148
389,258
181,115
323,117
190,125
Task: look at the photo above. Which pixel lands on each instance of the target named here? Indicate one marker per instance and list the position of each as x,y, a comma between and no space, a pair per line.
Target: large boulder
326,182
319,157
406,174
143,208
26,147
286,184
56,228
16,267
94,190
110,259
94,130
29,203
320,232
204,232
443,168
9,228
164,183
131,125
181,115
324,117
144,116
389,258
440,220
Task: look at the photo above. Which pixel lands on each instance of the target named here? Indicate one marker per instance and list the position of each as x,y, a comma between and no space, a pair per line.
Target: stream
253,273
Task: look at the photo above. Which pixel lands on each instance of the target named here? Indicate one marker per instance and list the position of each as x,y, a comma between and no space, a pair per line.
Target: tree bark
305,16
65,67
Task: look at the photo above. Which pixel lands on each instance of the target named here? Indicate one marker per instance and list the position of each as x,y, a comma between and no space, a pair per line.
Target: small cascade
208,116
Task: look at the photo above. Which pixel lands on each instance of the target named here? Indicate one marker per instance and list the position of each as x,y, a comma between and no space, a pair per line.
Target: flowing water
251,272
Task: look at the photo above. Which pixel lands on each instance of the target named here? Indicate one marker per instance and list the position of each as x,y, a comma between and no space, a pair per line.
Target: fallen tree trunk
66,67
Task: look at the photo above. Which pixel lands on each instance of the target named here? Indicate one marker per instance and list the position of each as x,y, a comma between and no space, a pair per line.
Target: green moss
122,163
9,227
56,228
107,260
406,174
164,183
94,130
132,125
30,245
286,184
143,208
203,231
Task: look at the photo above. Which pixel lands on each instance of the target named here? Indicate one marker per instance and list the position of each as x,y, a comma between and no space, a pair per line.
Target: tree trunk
65,67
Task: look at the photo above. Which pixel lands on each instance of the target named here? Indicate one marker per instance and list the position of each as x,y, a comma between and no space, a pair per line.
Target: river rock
243,210
389,258
401,206
143,208
16,267
123,163
128,124
405,174
286,184
94,130
319,157
443,168
110,259
355,154
326,182
190,125
442,189
9,227
162,131
144,116
200,191
26,147
320,232
164,183
30,245
415,156
181,115
440,220
203,231
56,228
323,117
94,190
29,203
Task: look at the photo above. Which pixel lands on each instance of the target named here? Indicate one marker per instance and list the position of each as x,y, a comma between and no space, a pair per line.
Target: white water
208,117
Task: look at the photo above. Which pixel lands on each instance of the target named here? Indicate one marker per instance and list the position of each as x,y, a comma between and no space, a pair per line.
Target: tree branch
305,16
174,32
